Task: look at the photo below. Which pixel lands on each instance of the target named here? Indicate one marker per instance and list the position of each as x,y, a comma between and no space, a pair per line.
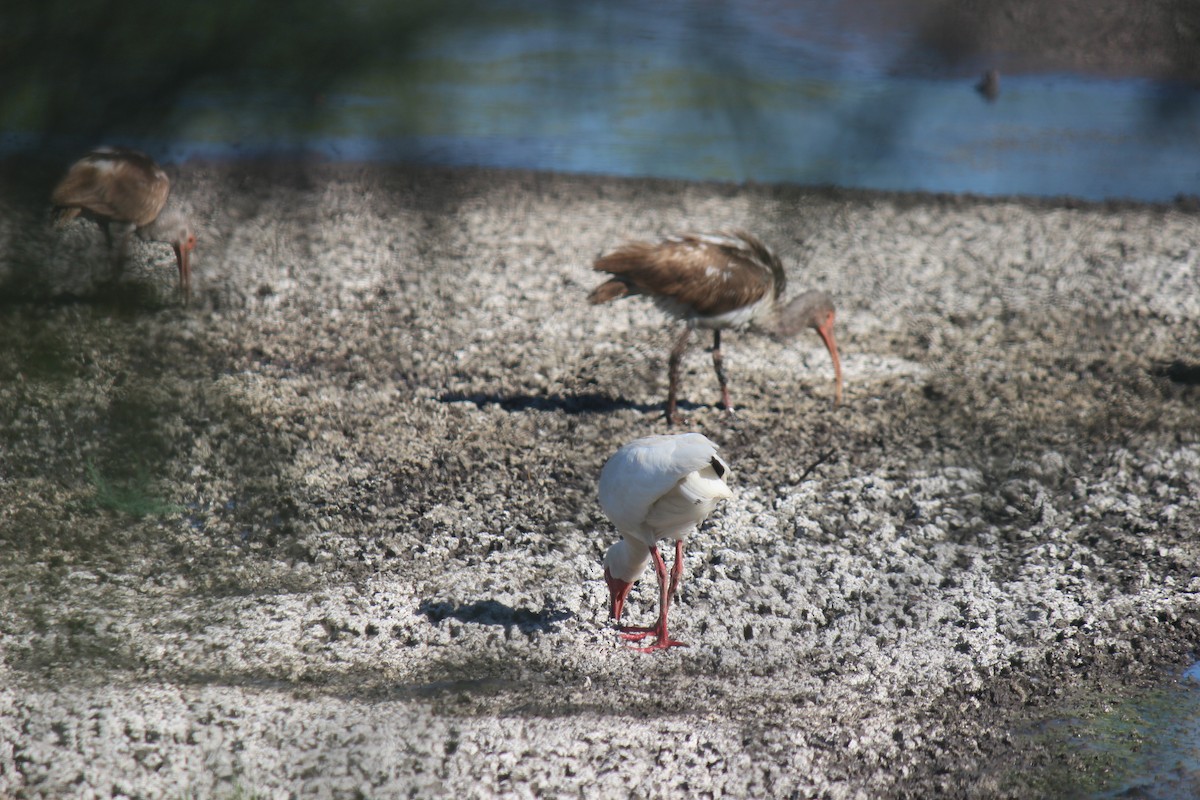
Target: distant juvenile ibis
659,487
715,281
127,191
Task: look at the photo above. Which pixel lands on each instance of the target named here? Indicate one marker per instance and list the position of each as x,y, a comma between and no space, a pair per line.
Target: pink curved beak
183,258
618,590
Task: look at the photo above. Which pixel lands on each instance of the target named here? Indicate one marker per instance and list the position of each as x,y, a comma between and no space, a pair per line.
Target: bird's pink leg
719,366
681,346
676,573
661,641
642,629
676,568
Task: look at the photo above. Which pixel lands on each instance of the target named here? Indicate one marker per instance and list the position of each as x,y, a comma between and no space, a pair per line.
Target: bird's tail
608,291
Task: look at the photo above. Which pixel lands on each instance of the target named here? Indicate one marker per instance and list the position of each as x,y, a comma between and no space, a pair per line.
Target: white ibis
128,191
659,487
715,281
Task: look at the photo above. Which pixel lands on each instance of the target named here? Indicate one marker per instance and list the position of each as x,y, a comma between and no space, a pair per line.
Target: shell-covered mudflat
332,527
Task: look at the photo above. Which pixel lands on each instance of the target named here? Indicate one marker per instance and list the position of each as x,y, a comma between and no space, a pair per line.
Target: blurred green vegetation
97,67
135,497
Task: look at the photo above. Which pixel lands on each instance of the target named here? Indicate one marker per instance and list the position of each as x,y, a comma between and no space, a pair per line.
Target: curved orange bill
183,259
825,331
618,590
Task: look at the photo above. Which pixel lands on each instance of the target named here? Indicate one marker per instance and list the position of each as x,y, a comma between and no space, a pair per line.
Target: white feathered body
659,487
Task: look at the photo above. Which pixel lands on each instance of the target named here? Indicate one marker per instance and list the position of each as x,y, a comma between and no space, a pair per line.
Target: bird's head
173,227
812,310
618,590
623,565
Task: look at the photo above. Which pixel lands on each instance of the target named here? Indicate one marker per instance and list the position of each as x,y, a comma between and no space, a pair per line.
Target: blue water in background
750,91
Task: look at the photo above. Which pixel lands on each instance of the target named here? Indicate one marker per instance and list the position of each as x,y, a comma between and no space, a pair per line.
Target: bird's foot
638,633
635,633
660,644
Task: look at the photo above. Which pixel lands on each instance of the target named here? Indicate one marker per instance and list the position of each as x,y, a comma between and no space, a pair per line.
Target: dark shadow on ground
1179,371
492,612
122,298
574,404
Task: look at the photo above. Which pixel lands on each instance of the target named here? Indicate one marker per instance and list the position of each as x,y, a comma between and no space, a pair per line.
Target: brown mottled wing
119,184
707,275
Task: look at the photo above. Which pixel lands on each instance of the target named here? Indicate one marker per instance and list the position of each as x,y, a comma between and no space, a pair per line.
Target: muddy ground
331,530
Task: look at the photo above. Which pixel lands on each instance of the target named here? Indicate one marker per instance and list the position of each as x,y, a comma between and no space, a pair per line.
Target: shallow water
1145,746
753,91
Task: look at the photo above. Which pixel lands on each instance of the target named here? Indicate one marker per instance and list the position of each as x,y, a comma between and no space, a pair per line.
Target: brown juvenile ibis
127,191
715,281
659,487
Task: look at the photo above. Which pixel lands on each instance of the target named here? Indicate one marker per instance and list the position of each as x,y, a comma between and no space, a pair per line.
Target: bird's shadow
492,612
1179,371
591,403
124,297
